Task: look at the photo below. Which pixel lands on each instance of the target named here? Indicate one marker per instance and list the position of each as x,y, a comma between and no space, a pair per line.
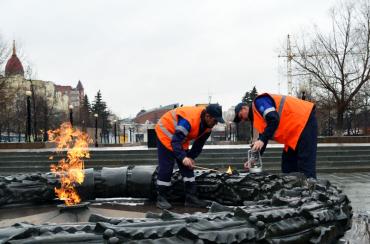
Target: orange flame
229,171
71,169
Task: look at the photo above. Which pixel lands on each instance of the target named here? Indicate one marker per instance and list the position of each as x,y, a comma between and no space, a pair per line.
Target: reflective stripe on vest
293,113
164,130
167,126
281,105
163,183
188,179
182,129
268,111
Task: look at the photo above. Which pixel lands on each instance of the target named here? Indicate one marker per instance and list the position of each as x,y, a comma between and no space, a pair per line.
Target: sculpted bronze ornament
247,208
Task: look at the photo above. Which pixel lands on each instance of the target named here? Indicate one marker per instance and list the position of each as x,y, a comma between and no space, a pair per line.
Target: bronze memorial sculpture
245,207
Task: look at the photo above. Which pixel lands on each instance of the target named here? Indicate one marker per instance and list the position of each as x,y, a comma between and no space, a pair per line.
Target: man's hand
188,162
193,162
247,165
257,146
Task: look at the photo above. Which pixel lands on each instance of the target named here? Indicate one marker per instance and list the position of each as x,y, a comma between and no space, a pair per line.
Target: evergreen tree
85,112
100,107
243,129
250,95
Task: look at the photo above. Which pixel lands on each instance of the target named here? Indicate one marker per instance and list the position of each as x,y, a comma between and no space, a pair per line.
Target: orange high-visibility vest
167,124
294,114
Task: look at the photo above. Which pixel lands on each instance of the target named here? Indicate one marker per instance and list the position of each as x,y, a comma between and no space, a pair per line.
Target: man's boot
162,194
191,200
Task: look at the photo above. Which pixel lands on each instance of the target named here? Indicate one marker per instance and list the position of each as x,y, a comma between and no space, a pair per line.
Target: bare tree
3,94
12,97
338,61
47,114
366,108
4,53
361,107
12,110
30,75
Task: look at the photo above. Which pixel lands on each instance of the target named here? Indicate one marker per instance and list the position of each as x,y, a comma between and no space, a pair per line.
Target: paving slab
355,185
144,147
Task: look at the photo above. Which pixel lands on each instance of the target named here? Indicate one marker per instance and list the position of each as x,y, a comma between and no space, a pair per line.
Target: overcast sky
142,54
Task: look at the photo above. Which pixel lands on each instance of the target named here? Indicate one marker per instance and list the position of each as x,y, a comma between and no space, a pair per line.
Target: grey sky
142,54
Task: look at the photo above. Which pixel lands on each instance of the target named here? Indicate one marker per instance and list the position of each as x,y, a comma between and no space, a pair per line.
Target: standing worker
175,129
287,120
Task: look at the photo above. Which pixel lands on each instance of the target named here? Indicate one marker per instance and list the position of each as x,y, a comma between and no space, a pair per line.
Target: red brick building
75,95
153,115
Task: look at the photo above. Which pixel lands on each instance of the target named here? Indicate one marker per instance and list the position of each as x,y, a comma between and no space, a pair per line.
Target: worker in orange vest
174,130
287,120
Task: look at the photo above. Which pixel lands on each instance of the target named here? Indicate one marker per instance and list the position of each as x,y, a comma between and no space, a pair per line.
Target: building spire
13,65
14,47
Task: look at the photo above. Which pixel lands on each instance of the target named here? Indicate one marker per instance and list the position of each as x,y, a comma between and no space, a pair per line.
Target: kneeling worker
287,120
175,129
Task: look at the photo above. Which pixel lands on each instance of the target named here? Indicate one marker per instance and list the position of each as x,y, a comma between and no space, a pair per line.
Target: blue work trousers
303,158
166,161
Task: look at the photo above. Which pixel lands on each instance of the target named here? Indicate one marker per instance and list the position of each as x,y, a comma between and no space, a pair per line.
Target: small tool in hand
203,168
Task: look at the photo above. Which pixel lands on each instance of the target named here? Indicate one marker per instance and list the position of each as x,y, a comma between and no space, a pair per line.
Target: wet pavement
355,185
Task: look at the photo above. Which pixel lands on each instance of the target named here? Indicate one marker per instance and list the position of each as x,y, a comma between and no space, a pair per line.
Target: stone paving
355,185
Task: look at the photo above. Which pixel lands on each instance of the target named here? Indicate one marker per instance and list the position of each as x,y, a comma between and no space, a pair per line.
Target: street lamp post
230,132
124,134
28,94
303,95
131,129
96,129
303,91
118,133
115,131
71,114
83,125
225,131
329,121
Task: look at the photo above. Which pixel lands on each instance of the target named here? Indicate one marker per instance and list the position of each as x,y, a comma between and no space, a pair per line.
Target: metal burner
80,206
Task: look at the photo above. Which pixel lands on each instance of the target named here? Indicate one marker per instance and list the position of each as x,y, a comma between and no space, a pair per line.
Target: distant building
75,95
201,105
153,115
14,66
60,96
